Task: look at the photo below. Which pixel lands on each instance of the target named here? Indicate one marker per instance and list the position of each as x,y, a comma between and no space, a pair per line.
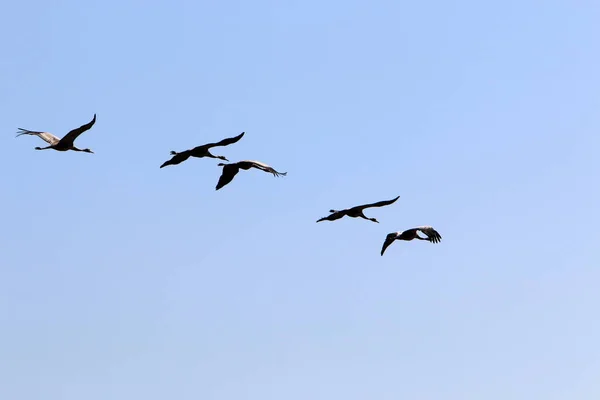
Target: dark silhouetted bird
357,211
64,144
200,151
231,170
432,236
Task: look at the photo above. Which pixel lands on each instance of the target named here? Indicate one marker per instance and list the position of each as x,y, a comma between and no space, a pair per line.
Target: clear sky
120,280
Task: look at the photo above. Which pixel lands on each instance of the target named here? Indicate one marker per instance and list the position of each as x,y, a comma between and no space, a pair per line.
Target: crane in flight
231,170
432,236
200,151
64,144
357,212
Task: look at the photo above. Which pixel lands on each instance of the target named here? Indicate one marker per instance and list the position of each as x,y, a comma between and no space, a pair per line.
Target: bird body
432,236
231,170
200,151
357,212
64,144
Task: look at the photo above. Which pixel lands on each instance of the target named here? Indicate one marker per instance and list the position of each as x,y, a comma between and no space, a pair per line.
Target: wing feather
72,135
229,172
45,136
432,235
246,164
389,239
333,216
178,158
225,142
378,204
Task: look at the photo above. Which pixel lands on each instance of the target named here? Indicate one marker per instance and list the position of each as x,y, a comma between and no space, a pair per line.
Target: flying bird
64,144
357,211
231,170
200,151
432,236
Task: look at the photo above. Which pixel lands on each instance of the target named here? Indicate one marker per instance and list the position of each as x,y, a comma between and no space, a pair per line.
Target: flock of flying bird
231,170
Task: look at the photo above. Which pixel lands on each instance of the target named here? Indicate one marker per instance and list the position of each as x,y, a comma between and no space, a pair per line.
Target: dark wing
229,171
378,204
389,239
45,136
71,136
432,235
178,158
335,215
224,142
247,164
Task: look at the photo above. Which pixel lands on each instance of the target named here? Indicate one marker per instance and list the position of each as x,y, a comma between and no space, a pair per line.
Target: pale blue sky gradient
120,280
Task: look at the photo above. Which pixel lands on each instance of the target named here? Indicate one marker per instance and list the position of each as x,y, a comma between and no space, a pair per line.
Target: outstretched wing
334,216
432,235
225,142
46,136
247,164
229,172
378,204
71,136
389,239
178,158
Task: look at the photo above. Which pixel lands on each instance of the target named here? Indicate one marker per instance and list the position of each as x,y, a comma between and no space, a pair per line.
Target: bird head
37,148
222,158
374,220
88,151
221,164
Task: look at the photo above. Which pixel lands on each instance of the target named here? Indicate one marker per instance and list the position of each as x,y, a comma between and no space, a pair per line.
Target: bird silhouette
200,151
231,170
432,236
356,212
64,144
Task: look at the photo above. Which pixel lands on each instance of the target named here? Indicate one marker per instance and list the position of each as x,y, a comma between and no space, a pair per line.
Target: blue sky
120,280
